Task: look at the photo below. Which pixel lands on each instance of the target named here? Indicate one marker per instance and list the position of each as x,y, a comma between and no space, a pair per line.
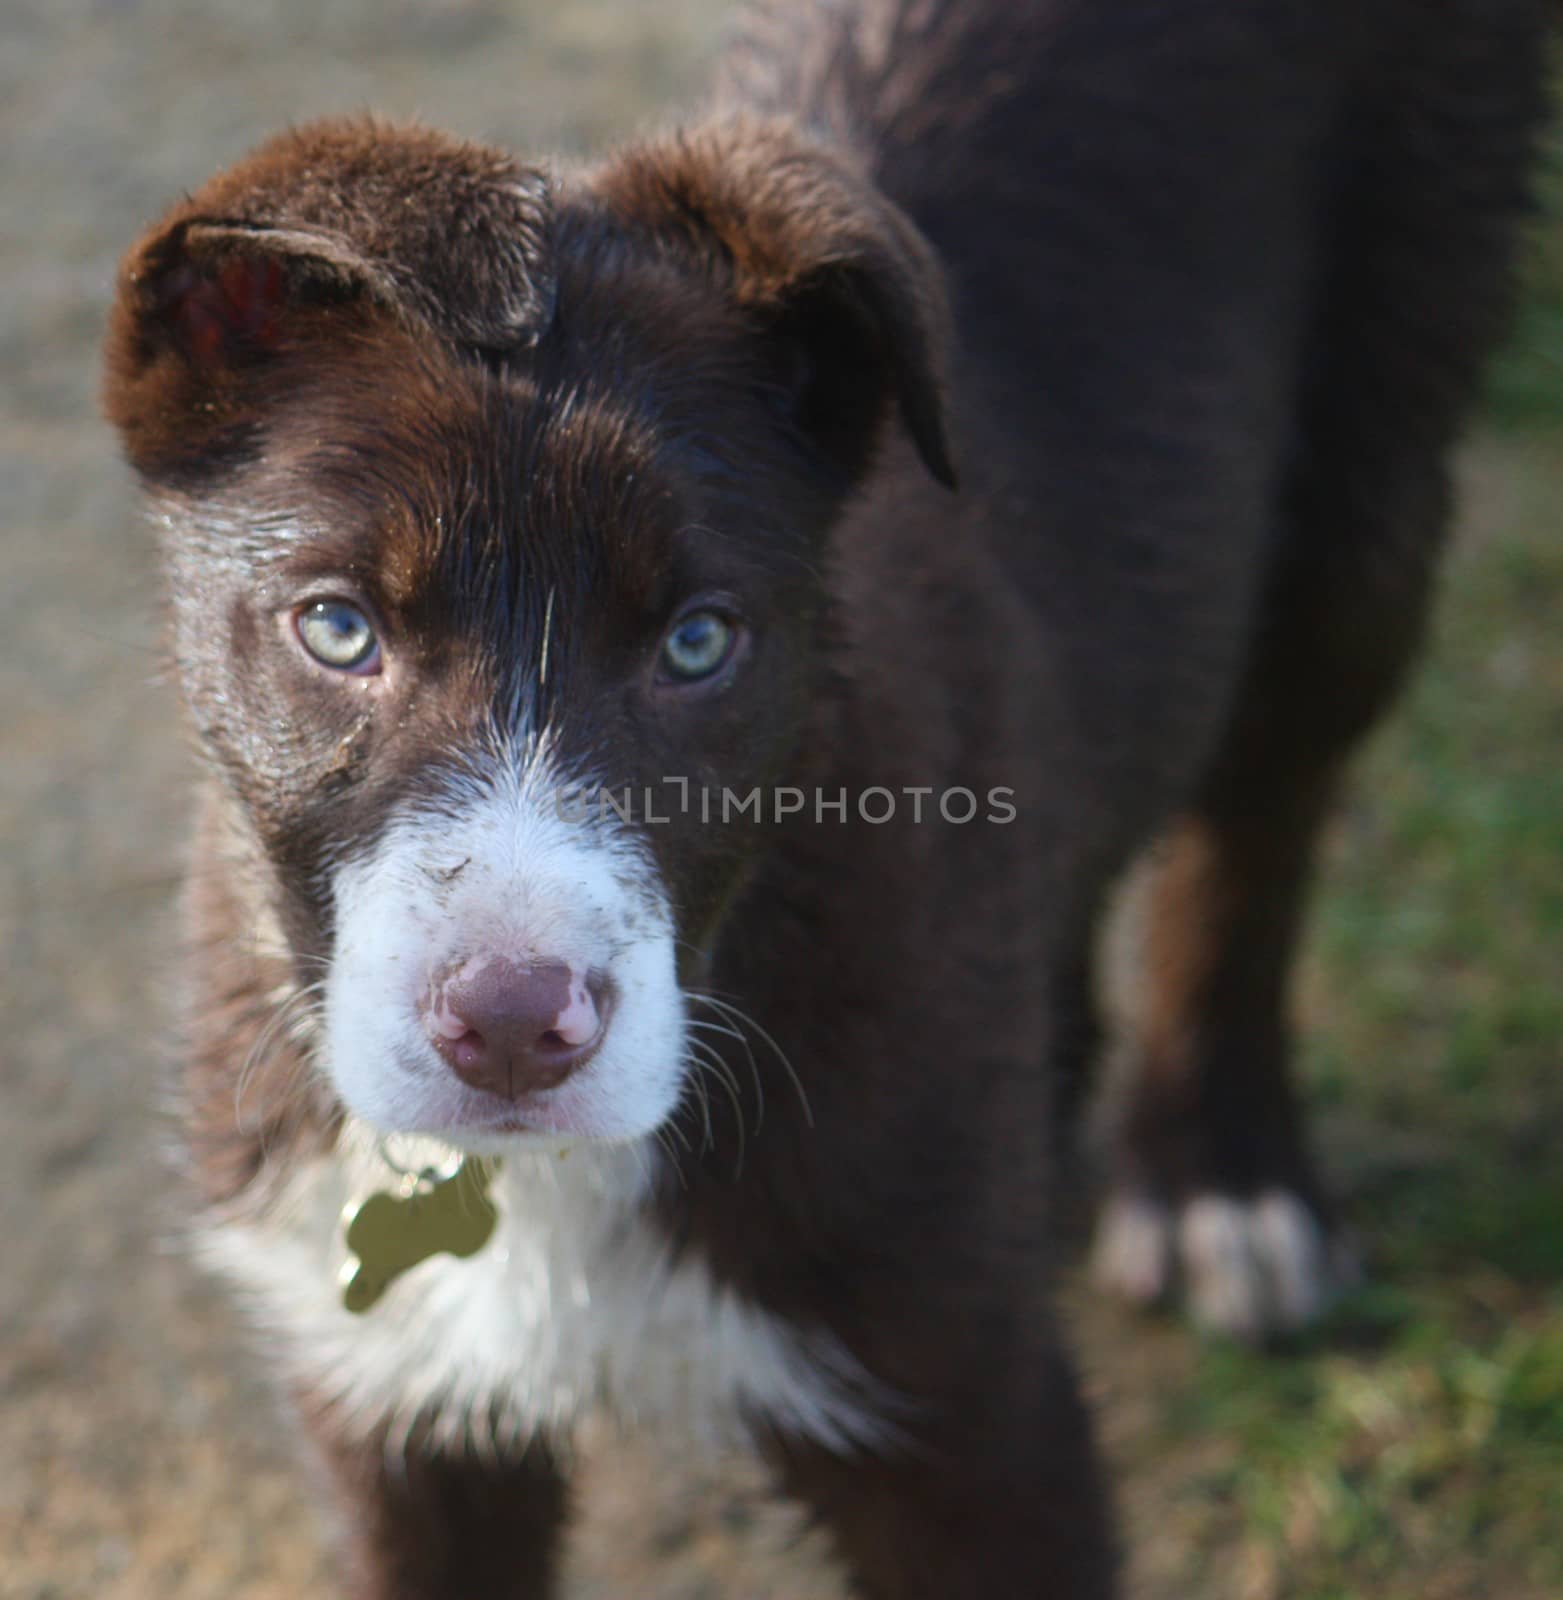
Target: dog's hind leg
1214,1193
1216,1196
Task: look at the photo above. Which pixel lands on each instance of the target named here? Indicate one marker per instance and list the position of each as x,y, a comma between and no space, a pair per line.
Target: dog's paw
1250,1269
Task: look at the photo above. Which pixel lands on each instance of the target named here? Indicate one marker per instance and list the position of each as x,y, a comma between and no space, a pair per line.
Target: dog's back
487,487
1224,279
1195,255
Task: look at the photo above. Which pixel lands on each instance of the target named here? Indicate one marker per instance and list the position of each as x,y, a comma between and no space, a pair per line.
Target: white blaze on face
495,867
581,1297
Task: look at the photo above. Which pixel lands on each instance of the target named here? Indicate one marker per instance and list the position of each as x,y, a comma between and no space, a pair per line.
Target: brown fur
1195,299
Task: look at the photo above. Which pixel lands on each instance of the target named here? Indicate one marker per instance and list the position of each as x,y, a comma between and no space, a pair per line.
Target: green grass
1527,381
1414,1448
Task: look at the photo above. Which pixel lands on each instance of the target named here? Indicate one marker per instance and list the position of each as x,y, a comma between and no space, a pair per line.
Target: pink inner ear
241,304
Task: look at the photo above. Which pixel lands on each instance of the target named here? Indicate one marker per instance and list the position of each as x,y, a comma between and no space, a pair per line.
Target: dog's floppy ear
219,292
848,291
311,238
202,305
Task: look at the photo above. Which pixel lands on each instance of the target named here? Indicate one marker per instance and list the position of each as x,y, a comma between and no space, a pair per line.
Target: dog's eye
338,635
698,644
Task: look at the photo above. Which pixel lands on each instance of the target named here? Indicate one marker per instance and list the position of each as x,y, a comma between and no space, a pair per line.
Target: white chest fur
575,1303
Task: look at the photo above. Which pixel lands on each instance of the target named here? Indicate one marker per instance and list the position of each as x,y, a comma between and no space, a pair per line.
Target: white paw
1244,1268
1131,1256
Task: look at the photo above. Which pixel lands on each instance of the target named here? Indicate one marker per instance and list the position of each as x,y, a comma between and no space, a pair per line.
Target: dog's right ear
203,306
323,234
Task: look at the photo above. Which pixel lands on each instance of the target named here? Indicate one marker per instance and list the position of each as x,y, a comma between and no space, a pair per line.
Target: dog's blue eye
699,644
338,635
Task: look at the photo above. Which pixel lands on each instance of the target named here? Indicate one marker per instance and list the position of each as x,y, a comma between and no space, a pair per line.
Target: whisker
741,1019
291,1014
698,1084
706,1057
716,1027
663,1136
754,1066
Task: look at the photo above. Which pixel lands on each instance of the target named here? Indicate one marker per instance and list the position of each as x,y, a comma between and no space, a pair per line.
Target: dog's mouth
478,1122
609,1072
538,997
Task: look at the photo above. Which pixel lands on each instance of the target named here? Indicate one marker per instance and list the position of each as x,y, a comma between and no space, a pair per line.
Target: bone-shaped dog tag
390,1232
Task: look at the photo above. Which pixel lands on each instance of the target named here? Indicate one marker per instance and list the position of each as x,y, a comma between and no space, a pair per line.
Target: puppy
651,817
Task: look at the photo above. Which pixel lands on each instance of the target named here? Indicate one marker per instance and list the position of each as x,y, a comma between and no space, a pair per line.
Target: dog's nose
514,1028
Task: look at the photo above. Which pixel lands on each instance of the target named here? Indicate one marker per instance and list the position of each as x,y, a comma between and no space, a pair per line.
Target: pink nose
514,1029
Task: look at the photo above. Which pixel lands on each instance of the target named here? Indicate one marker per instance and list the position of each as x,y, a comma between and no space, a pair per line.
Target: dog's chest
576,1302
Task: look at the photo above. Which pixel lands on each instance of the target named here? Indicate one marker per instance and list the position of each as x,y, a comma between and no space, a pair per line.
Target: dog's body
481,483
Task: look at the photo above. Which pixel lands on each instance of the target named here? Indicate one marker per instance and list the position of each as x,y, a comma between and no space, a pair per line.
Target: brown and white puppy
488,489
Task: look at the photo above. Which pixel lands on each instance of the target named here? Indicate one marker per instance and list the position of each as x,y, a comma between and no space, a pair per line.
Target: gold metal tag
426,1215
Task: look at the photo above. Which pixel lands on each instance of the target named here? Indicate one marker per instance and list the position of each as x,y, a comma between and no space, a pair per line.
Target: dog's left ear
849,294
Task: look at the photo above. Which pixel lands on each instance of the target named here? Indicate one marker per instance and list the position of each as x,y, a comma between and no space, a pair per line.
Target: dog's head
492,502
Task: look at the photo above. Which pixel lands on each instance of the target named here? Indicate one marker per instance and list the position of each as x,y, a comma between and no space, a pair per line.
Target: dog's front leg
426,1521
1000,1501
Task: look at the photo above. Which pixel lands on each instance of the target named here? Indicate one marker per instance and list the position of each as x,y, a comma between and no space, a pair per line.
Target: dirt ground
139,1451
